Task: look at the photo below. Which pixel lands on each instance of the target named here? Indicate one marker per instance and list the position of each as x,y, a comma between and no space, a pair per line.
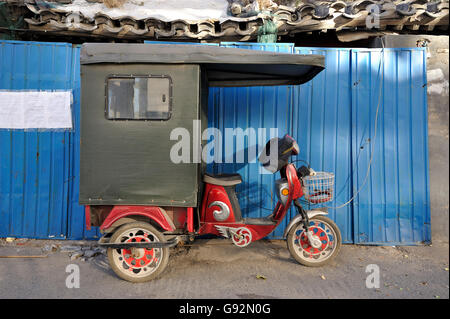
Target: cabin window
139,98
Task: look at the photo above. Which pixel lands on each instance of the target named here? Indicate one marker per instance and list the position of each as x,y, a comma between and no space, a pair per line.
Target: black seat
223,179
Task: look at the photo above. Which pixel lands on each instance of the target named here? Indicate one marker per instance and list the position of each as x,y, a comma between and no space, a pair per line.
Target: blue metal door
390,147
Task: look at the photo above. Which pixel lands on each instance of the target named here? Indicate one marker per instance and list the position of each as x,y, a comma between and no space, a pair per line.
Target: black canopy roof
224,66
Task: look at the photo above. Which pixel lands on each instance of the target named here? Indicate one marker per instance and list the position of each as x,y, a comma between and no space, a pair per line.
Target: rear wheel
138,264
327,236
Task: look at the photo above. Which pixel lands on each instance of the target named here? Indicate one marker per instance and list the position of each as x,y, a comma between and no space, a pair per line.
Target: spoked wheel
326,245
138,264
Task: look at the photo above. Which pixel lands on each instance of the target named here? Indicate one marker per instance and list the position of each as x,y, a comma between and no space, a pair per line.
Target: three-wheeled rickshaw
134,97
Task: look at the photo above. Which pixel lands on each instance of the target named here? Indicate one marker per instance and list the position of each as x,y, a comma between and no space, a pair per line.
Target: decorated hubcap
241,237
320,231
137,262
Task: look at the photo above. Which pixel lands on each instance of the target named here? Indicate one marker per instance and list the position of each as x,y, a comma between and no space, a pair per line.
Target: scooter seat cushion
223,179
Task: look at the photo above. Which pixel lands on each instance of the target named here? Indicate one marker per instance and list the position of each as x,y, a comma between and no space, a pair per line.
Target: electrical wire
381,71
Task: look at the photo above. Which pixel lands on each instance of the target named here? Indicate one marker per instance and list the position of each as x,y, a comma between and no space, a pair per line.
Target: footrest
259,221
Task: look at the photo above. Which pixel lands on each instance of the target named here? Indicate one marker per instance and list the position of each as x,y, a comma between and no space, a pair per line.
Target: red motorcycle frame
244,231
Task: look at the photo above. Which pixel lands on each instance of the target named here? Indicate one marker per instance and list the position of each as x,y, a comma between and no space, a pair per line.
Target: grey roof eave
224,66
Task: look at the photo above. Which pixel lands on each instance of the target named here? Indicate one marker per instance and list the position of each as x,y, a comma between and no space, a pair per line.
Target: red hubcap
143,261
321,234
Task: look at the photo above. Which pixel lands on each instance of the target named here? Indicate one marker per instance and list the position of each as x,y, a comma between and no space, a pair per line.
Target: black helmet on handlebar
277,151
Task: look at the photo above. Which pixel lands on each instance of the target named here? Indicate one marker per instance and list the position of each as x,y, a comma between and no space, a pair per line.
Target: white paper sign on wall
35,109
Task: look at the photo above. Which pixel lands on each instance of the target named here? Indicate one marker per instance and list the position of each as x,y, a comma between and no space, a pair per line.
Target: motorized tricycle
137,99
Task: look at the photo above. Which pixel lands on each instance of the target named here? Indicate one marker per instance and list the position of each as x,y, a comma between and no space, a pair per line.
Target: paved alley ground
214,268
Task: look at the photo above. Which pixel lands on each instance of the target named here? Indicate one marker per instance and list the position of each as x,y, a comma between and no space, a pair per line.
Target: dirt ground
214,268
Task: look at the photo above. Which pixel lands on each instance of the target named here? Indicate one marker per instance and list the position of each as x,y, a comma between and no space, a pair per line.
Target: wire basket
319,188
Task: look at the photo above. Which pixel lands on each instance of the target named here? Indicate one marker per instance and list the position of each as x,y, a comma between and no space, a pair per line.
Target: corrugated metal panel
393,203
34,167
322,126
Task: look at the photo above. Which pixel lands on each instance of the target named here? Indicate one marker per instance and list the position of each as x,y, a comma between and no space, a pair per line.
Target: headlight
282,190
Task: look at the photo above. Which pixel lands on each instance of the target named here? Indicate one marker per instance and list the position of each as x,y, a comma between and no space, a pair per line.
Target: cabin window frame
134,76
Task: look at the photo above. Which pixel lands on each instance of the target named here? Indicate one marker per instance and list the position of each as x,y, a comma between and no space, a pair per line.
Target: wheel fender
296,219
157,214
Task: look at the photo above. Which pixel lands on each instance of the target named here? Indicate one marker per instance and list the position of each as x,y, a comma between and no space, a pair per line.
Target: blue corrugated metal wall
35,164
393,206
331,116
39,168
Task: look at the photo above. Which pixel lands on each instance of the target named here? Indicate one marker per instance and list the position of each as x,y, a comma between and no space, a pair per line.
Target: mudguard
156,214
296,219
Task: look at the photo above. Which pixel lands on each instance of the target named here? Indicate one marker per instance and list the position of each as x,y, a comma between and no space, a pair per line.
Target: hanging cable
381,72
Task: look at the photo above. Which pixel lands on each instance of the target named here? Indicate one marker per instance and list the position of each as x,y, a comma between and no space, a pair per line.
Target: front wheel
138,264
323,229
